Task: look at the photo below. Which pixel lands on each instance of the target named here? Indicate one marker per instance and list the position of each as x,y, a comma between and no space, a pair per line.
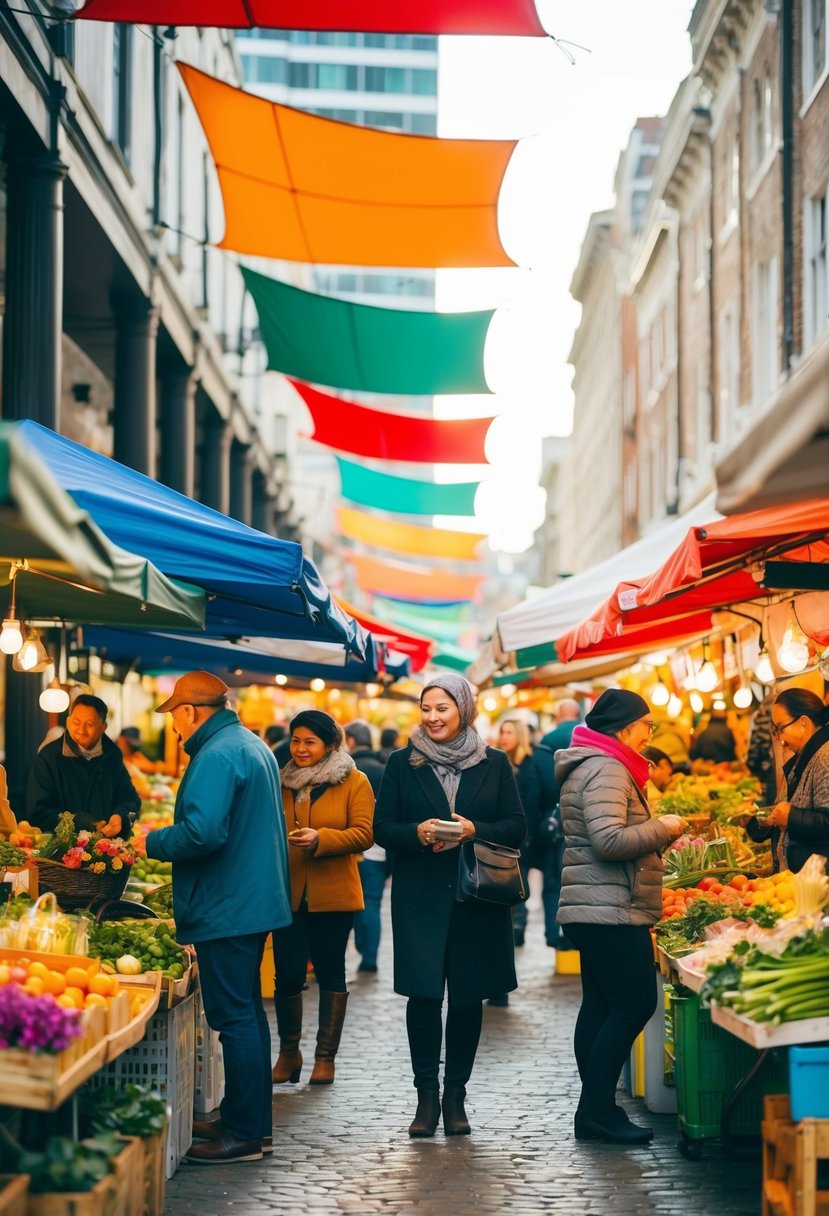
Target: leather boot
427,1113
455,1122
289,1023
331,1018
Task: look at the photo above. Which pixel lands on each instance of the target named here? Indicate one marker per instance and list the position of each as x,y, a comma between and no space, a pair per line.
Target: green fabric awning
454,657
536,656
76,573
404,494
356,346
428,622
448,613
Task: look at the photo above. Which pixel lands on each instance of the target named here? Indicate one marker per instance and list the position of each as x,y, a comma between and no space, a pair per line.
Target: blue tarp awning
250,660
257,585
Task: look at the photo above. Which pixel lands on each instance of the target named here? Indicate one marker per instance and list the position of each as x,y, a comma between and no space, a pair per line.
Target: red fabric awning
714,567
415,646
370,16
363,431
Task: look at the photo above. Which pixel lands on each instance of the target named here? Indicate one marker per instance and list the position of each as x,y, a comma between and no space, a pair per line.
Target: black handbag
490,873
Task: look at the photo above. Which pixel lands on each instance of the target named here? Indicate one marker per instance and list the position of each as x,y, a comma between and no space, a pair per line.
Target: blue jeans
367,923
232,997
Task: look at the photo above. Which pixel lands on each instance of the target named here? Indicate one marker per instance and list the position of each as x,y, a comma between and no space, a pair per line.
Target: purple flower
35,1023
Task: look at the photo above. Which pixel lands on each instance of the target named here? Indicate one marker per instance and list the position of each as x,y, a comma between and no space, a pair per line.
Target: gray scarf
331,770
448,760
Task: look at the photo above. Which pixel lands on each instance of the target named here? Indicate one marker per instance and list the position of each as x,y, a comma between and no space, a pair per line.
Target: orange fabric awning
307,189
416,647
408,538
413,582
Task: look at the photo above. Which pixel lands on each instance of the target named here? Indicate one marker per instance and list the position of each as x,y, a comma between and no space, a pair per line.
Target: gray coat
612,864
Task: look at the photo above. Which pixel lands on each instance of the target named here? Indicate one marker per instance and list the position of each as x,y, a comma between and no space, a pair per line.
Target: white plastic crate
163,1061
209,1073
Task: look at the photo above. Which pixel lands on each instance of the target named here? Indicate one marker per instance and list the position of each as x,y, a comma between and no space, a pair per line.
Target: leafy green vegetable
67,1166
132,1111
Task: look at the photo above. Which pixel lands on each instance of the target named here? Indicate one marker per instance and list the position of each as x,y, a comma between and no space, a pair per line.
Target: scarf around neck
333,769
448,760
635,764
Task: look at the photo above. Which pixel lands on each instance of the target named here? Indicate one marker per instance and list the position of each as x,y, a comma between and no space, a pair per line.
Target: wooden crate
100,1201
128,1175
38,1081
791,1152
155,1174
14,1194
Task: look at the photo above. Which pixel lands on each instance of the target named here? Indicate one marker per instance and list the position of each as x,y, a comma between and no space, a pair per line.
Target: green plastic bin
710,1064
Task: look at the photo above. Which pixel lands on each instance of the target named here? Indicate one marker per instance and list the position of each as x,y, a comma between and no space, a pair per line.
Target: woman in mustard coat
329,808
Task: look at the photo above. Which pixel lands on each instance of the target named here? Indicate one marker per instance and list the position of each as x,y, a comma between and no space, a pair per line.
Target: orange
34,986
76,995
77,977
65,1001
38,969
95,998
54,982
103,985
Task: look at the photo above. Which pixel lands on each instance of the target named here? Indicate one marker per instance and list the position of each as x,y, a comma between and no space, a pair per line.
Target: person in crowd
514,741
276,737
8,821
763,759
716,742
539,790
800,720
389,742
328,809
129,745
446,772
230,889
611,895
661,769
82,771
373,873
671,739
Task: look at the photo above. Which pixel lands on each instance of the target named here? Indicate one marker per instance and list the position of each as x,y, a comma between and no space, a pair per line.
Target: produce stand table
763,1035
791,1152
37,1081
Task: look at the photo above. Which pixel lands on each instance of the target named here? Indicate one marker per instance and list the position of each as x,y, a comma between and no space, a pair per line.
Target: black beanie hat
320,724
615,709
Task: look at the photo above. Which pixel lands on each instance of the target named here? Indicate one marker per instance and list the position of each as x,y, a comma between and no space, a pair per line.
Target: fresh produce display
688,860
69,1166
98,851
687,918
34,1022
775,891
774,988
150,943
28,837
161,901
73,987
43,927
720,791
12,855
131,1110
149,870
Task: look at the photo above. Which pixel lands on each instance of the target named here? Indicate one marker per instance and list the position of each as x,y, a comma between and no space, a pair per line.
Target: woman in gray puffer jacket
611,895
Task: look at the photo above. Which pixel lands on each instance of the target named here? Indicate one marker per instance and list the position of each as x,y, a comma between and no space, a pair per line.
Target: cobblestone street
345,1149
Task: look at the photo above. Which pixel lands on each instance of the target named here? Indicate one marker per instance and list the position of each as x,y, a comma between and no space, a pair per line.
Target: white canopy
561,607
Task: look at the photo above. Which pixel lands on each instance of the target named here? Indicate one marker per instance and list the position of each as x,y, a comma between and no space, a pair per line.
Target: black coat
437,939
91,789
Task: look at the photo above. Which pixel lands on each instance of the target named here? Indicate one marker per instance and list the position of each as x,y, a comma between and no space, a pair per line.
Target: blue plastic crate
809,1082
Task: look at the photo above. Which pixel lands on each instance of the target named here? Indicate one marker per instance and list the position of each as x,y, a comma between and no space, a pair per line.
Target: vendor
660,772
82,772
800,721
129,745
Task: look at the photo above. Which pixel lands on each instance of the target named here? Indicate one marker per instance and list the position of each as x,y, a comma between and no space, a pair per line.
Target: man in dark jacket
82,772
715,743
230,889
373,868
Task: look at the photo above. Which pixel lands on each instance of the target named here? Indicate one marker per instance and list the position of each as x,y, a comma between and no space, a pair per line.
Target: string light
54,699
317,685
763,669
793,652
280,680
33,655
697,703
660,694
11,637
674,706
743,696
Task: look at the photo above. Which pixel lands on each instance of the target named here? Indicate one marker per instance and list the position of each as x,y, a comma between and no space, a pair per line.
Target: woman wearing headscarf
328,808
446,772
800,721
611,895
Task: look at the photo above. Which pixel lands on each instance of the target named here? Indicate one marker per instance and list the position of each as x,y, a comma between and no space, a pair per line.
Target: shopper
82,771
446,772
716,742
373,871
800,720
661,772
328,810
389,742
611,895
514,742
230,888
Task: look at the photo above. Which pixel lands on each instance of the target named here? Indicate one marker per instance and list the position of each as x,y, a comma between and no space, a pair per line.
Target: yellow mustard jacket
343,815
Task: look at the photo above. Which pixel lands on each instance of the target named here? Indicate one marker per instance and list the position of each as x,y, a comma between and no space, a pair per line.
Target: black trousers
424,1026
619,996
321,937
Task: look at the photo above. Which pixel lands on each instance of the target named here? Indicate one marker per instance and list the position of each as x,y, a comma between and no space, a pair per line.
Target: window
385,80
729,373
301,75
816,270
122,88
424,82
732,184
814,42
264,69
764,331
388,119
762,119
337,76
424,124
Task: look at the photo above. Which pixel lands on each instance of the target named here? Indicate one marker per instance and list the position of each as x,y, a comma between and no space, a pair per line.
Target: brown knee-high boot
331,1018
289,1023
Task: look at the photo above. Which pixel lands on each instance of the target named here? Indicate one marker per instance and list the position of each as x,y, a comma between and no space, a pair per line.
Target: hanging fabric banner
415,646
413,582
408,538
428,622
507,17
416,612
378,350
402,494
364,431
308,189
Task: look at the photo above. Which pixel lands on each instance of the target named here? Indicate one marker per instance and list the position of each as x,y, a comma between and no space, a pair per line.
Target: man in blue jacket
230,889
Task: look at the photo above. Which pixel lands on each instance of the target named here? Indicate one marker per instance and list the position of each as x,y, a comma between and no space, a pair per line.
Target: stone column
33,321
241,482
215,477
178,431
135,385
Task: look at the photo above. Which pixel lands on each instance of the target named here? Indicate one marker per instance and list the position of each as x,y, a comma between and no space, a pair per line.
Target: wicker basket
80,888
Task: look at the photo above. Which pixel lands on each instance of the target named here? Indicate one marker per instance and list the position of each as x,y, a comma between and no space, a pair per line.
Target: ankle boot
331,1018
427,1113
455,1122
289,1023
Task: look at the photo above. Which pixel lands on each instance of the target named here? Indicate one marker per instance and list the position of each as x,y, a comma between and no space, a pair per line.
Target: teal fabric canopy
379,350
403,494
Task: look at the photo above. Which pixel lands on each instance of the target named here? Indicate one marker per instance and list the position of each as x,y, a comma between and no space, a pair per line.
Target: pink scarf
635,764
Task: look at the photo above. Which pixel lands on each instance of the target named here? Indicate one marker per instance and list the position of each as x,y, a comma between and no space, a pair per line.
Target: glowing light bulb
674,706
793,652
490,704
28,656
697,703
317,685
54,699
707,678
508,690
719,703
743,697
660,694
11,639
763,668
280,680
372,690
